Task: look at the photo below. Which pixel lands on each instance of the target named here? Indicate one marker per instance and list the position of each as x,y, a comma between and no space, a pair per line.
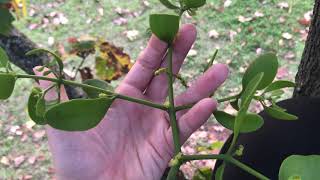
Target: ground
239,29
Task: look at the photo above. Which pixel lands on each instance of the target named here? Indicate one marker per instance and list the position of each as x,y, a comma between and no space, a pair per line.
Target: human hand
134,141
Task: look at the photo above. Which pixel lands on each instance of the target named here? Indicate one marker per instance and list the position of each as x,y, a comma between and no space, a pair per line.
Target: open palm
135,141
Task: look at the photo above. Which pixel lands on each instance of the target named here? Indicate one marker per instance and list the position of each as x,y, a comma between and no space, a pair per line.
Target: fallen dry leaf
5,161
192,53
258,14
283,5
111,62
19,160
232,35
132,34
32,160
120,21
26,177
213,34
243,19
287,36
289,55
283,72
227,3
38,135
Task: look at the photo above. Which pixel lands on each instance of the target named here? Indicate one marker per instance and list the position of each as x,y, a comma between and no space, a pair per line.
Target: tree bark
308,76
16,45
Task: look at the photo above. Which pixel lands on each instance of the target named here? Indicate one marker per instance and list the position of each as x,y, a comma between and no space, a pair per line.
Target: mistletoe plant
79,115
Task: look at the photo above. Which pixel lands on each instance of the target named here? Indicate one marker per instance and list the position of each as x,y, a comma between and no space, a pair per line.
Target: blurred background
240,29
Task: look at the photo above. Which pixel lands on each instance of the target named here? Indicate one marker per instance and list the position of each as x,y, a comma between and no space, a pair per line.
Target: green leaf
194,3
168,4
78,114
277,93
96,83
251,122
275,106
35,95
203,174
7,82
280,114
250,90
56,57
246,97
298,167
279,85
164,26
41,106
235,104
211,61
4,59
6,19
268,64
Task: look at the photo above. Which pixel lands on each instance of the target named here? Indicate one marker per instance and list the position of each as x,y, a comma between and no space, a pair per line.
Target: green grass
266,34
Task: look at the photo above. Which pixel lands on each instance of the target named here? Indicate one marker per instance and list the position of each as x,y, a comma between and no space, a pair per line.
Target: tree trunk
16,45
308,76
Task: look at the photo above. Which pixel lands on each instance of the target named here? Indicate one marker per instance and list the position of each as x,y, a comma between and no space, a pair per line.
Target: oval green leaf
168,4
303,167
249,91
6,19
96,83
280,114
251,122
279,85
164,26
41,106
268,64
7,82
78,114
35,95
194,3
4,59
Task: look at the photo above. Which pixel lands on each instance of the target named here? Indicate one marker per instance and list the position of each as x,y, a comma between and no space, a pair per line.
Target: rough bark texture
16,44
308,77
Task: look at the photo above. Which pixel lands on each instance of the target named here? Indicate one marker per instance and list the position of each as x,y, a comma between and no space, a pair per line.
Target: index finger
147,63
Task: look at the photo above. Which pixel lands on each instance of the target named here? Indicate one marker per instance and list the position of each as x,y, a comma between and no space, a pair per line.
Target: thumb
52,94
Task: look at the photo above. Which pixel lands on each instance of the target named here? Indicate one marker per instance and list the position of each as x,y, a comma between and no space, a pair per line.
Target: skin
134,141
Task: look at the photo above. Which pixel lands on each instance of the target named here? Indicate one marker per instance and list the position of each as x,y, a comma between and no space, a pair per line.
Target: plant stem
173,173
228,159
85,86
78,68
173,121
183,107
247,168
172,110
186,158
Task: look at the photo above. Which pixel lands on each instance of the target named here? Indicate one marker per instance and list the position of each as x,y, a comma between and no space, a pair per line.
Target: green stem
72,83
247,169
186,158
173,173
173,121
78,68
172,110
228,159
183,107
